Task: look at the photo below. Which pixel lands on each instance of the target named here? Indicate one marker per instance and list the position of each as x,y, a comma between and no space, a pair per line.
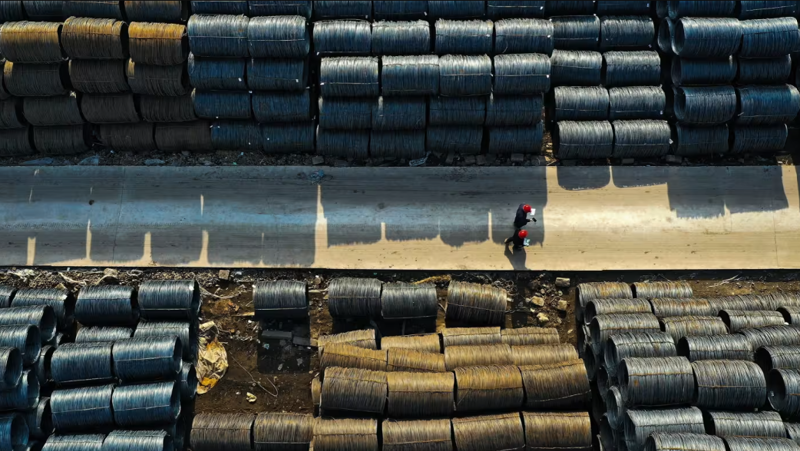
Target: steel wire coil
513,110
481,355
280,8
10,367
51,111
772,336
744,424
784,385
157,11
717,347
457,110
504,9
350,434
61,140
604,381
530,336
466,140
651,290
155,80
410,360
32,42
469,9
465,75
42,365
342,37
656,381
497,432
40,11
626,32
769,38
407,10
488,388
24,396
660,441
710,105
700,8
746,443
25,338
354,297
283,431
106,305
216,73
777,357
102,334
146,404
764,70
147,358
405,300
93,8
471,336
419,395
353,390
729,385
39,420
521,74
465,37
639,424
664,36
43,317
13,432
608,7
86,38
343,143
222,104
585,139
604,326
560,8
344,355
765,9
349,77
277,74
706,37
715,71
614,306
59,339
691,140
693,326
792,431
636,102
641,138
616,408
525,36
556,386
157,43
475,303
219,7
276,107
410,75
280,299
82,364
109,108
138,440
162,109
767,105
424,343
576,68
169,299
576,32
410,435
591,361
6,295
187,332
600,290
218,35
75,442
343,113
214,431
737,320
236,135
399,113
288,138
764,138
509,140
278,37
605,434
342,9
98,76
557,431
401,38
82,409
631,68
24,80
188,381
359,338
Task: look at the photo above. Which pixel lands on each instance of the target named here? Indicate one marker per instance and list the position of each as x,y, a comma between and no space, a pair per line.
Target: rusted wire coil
359,338
354,297
155,80
604,326
129,137
556,386
16,142
62,140
353,390
415,395
353,435
422,343
777,358
475,303
214,431
157,11
488,388
32,42
667,307
172,109
471,336
738,320
348,356
98,76
656,381
693,326
729,385
461,356
745,424
102,334
414,361
157,43
283,431
110,108
636,344
601,290
661,441
280,299
430,435
499,432
542,354
50,111
772,336
408,301
557,431
716,347
24,80
615,306
530,336
652,290
86,38
639,424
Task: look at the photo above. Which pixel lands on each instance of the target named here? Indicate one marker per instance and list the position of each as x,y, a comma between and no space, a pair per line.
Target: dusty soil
279,373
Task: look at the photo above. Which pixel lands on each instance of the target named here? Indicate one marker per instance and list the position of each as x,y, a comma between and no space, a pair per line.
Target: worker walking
521,219
518,238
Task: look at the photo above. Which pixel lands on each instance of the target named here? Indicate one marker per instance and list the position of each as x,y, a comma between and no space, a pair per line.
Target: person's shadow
517,257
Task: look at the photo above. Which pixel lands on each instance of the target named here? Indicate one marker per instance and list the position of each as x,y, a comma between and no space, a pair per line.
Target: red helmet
523,233
526,208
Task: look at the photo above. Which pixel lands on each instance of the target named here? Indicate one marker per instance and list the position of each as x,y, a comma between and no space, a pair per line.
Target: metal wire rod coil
425,343
342,37
13,432
42,366
157,43
608,7
556,386
778,357
464,139
41,316
410,75
216,73
23,80
155,80
636,344
74,442
187,332
415,395
12,11
283,431
631,68
557,430
147,359
218,35
616,413
604,326
765,138
288,138
188,380
82,364
467,37
219,7
177,137
98,76
523,36
102,334
350,434
280,299
764,71
236,135
82,409
678,9
349,77
85,38
62,140
40,11
109,108
26,339
530,336
10,368
604,381
222,104
601,290
277,74
691,140
98,9
138,440
693,326
636,102
401,38
469,9
772,336
276,107
521,74
614,306
359,338
157,11
461,356
24,396
343,113
400,113
6,295
792,431
507,111
576,68
746,443
457,110
488,388
348,356
346,143
475,303
106,305
479,433
745,424
639,424
465,75
280,8
169,299
342,9
397,144
656,381
146,404
583,139
626,32
784,385
768,38
501,9
32,42
710,105
729,385
214,431
641,138
765,9
717,347
767,105
39,420
431,435
354,297
408,301
278,37
560,8
652,290
576,32
737,320
353,390
407,10
706,37
414,361
661,441
718,71
471,336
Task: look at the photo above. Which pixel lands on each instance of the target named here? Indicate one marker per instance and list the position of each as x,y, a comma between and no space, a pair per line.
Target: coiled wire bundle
342,9
86,38
342,37
656,381
556,386
106,305
716,71
24,80
745,443
32,42
601,290
416,395
631,68
360,338
661,441
432,435
471,336
408,301
401,38
465,75
283,431
479,433
126,440
764,71
25,338
772,336
579,103
488,388
475,303
765,9
41,316
576,32
155,80
614,306
280,299
691,140
636,344
784,385
82,409
13,432
146,404
680,9
737,320
98,76
641,138
636,102
214,431
729,385
706,37
768,38
349,77
426,343
583,139
626,32
346,113
187,332
521,74
765,138
414,361
236,135
99,9
745,424
777,357
457,110
463,356
218,35
222,104
44,11
530,336
82,363
39,419
343,143
466,140
146,359
169,299
693,326
6,295
708,105
215,73
188,381
102,334
278,37
639,424
219,7
351,434
281,106
604,326
353,390
109,108
347,356
410,75
157,43
280,8
62,140
10,368
576,68
354,297
557,430
24,396
288,138
767,105
523,36
42,366
513,110
466,37
508,140
157,11
716,347
276,74
129,137
651,290
399,113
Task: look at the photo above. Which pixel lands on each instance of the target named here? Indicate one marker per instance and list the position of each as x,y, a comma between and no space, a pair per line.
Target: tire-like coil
152,80
161,109
102,334
355,434
765,138
729,385
465,37
631,68
24,80
636,102
275,107
609,7
85,38
288,138
678,9
343,143
716,347
576,32
342,37
636,344
82,364
41,316
399,113
603,326
656,381
706,37
506,111
769,38
477,433
342,113
692,141
109,108
710,105
146,404
764,71
277,75
394,144
280,8
62,140
465,75
419,395
626,32
509,140
10,367
212,431
432,435
466,140
218,35
107,306
82,409
661,441
129,137
283,431
777,358
585,139
521,74
98,76
278,37
187,332
13,429
401,38
224,74
40,420
457,111
40,11
157,43
188,381
222,104
169,299
476,303
410,75
576,68
597,307
738,320
350,9
767,105
349,77
639,424
745,424
488,388
556,386
641,138
579,103
468,9
504,9
62,302
529,36
147,359
280,299
157,11
32,42
354,297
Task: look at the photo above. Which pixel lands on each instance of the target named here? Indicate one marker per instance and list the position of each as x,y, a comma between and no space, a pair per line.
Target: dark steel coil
129,137
710,105
604,381
601,290
277,74
349,77
236,135
216,73
280,299
407,301
62,302
348,9
419,395
155,80
214,431
679,9
765,9
608,7
423,343
767,105
784,385
639,424
146,404
82,364
590,360
660,441
13,430
222,104
576,68
139,440
157,43
354,297
40,420
636,344
288,138
12,11
6,295
42,366
560,8
614,306
793,431
58,340
508,140
280,8
49,111
576,32
469,9
626,32
97,9
169,299
478,433
467,37
188,381
765,138
772,336
353,390
343,143
187,332
527,36
457,110
278,37
219,7
98,76
664,37
282,106
719,71
706,37
10,367
592,139
399,113
521,74
693,326
157,11
86,38
352,434
636,102
218,35
769,38
466,140
652,290
82,409
32,42
729,385
42,11
556,386
359,338
641,138
24,396
475,303
558,430
432,435
605,434
631,68
409,360
579,103
109,108
656,381
162,109
342,37
283,431
465,75
74,442
488,388
513,110
106,305
483,355
603,326
147,358
737,320
401,38
748,443
344,113
24,80
691,140
410,75
471,336
41,316
717,347
745,424
392,10
764,71
778,358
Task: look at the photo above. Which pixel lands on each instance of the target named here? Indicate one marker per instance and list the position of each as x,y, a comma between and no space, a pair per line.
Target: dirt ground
279,373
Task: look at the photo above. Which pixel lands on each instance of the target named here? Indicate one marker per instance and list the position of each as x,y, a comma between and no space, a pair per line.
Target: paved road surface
591,218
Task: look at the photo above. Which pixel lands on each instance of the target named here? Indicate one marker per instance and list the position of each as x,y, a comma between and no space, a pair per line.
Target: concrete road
591,218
